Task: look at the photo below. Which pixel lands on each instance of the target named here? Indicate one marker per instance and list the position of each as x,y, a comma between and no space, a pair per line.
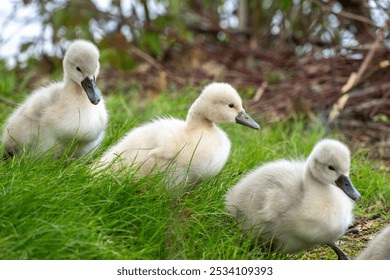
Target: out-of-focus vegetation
160,27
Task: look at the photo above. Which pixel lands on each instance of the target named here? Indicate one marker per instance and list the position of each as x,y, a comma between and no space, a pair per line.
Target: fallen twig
260,91
154,63
369,90
8,102
344,14
355,78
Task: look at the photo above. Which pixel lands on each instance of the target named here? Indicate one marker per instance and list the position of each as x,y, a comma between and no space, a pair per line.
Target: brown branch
354,17
154,63
260,91
146,10
355,78
149,59
368,125
8,102
369,90
344,14
367,105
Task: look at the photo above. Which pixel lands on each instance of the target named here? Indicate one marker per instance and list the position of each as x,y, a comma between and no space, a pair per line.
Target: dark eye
231,105
331,168
78,69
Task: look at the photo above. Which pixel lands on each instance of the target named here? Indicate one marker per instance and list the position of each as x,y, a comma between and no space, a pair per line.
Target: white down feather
193,150
52,117
296,204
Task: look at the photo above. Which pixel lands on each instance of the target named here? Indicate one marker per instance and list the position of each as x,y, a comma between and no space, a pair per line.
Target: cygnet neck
71,86
196,118
308,177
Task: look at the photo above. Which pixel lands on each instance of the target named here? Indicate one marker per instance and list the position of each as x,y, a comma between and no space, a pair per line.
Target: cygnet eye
231,105
331,168
78,69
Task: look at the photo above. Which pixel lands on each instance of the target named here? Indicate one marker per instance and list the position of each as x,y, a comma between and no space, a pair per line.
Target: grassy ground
58,210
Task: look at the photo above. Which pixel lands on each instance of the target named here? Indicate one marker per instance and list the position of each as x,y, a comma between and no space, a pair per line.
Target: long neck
196,119
72,87
308,178
313,187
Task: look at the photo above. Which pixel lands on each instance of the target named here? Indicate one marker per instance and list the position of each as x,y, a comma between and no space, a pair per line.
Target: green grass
58,210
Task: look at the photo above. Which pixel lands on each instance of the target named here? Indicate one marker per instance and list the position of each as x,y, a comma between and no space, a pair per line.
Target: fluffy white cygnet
294,204
378,248
71,111
193,150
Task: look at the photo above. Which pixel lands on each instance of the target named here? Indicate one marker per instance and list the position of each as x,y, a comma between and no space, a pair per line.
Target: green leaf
25,46
118,59
174,7
285,4
151,41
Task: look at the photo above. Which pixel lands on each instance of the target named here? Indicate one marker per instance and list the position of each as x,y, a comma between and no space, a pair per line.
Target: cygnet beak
91,89
244,119
344,183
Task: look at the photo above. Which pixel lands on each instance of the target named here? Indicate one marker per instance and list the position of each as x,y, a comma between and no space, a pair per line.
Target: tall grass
57,209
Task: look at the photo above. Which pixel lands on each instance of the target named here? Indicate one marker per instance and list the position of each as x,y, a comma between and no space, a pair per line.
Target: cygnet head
329,163
81,64
220,103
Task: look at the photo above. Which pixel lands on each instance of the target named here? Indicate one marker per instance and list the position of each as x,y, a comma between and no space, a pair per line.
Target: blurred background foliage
160,27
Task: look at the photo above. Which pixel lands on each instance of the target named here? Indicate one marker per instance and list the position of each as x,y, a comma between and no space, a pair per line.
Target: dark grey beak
244,119
91,90
344,183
